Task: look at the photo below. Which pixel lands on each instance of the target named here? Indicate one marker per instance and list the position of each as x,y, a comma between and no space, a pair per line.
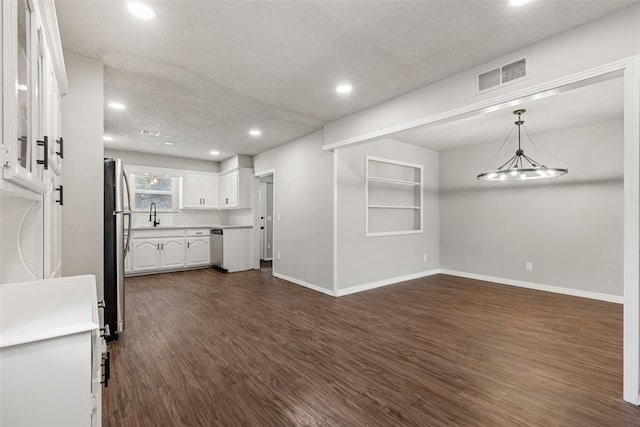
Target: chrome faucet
153,213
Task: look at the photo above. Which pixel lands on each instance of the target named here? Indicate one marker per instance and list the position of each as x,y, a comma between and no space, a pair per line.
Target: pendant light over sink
521,167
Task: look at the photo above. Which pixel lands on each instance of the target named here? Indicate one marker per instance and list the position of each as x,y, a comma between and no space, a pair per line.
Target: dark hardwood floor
204,348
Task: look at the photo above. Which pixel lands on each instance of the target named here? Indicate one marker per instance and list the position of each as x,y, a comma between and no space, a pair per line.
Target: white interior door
263,220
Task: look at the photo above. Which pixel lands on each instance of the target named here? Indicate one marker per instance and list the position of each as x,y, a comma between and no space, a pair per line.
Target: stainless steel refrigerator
116,246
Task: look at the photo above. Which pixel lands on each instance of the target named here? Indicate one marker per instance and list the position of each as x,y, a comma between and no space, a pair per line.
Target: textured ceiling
203,73
559,111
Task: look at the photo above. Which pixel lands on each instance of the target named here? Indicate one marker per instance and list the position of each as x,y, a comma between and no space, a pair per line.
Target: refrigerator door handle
127,245
128,213
126,186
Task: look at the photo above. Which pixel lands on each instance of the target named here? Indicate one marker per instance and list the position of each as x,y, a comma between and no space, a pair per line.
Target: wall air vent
502,75
489,79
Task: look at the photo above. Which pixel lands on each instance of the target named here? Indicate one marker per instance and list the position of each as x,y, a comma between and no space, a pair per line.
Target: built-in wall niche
393,197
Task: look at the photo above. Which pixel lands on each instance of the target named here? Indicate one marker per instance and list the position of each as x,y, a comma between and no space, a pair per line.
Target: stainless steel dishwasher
216,247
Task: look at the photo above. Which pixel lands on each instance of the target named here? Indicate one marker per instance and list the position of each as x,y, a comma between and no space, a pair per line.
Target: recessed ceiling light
214,153
255,132
344,88
141,10
107,138
116,106
168,143
518,2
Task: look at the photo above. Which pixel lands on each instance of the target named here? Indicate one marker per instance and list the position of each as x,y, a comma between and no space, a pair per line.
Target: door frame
263,220
256,216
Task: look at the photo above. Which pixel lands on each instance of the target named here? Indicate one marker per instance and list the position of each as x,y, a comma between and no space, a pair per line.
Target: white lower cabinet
52,353
198,251
167,249
172,252
146,254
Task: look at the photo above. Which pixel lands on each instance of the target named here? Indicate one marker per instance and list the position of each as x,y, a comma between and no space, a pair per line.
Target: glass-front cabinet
31,141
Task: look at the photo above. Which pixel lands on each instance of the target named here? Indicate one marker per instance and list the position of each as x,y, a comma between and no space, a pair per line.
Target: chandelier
521,167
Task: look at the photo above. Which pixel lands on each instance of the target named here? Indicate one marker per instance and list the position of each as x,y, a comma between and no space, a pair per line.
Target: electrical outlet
268,218
278,217
278,255
268,245
528,266
424,258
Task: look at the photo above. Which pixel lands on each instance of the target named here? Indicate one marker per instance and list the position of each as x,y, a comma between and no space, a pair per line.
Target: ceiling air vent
149,132
502,75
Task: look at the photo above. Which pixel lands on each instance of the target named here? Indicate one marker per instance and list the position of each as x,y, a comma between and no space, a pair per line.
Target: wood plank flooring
203,348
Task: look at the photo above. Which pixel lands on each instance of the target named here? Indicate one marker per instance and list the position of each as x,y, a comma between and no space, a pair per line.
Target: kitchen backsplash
196,217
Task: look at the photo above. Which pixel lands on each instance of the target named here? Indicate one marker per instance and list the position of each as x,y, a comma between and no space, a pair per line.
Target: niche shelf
393,197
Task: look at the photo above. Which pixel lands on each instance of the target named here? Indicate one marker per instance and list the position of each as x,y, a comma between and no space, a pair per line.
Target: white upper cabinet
199,190
210,190
32,72
191,191
236,188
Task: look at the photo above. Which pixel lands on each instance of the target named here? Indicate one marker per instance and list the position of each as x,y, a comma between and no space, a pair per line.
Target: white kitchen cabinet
172,252
53,200
236,188
198,251
33,79
146,254
51,352
32,64
199,190
150,254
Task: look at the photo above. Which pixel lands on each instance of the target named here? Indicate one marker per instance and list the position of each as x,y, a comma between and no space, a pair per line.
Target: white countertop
188,227
33,311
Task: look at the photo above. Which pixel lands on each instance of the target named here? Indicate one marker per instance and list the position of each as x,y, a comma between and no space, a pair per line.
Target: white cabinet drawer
199,232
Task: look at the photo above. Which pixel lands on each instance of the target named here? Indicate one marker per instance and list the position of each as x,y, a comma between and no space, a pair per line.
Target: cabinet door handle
105,332
60,142
61,190
158,246
188,245
204,201
44,144
106,364
162,246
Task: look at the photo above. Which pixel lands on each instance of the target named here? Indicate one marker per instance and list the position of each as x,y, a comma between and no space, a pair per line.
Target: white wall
362,259
82,172
156,160
605,40
303,193
569,227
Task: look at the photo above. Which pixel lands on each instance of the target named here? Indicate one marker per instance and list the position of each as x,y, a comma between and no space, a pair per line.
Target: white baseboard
303,283
385,282
537,286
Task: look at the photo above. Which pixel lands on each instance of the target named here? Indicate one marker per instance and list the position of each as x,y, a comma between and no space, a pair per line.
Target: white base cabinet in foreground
51,353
